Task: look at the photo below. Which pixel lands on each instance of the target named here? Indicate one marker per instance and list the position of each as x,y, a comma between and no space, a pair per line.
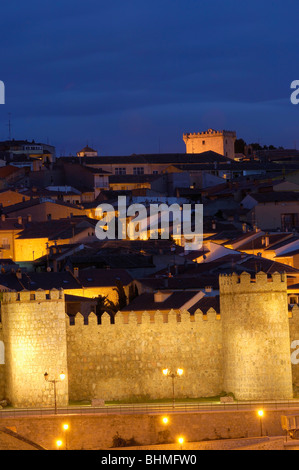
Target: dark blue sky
133,76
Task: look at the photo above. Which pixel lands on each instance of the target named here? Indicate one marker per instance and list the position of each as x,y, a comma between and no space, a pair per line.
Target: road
152,408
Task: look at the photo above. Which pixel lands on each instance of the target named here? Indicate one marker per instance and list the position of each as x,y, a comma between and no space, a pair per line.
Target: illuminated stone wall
34,335
245,350
125,360
2,365
294,339
256,338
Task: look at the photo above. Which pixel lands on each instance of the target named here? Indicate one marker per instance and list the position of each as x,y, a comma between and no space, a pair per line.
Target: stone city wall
125,360
92,432
246,350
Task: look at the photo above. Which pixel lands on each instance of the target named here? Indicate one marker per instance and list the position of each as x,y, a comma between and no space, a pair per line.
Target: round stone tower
34,334
256,339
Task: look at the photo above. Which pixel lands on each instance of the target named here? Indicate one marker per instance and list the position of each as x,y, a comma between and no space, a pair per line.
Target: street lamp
181,442
65,427
261,414
54,382
58,443
179,372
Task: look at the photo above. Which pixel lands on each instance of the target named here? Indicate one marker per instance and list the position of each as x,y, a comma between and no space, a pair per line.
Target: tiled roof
282,243
164,158
205,303
56,229
146,301
287,254
114,260
207,273
87,149
276,196
35,202
8,170
104,277
179,283
89,278
259,242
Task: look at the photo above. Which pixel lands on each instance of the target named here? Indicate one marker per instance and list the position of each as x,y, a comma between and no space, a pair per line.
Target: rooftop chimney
19,274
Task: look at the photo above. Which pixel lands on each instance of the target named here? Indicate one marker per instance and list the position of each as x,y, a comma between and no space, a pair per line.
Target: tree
240,145
105,305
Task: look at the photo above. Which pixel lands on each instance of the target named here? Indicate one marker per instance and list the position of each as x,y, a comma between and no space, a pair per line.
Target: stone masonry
245,349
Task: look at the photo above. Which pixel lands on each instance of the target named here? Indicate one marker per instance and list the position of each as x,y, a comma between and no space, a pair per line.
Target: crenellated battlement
246,330
209,132
32,296
144,318
234,283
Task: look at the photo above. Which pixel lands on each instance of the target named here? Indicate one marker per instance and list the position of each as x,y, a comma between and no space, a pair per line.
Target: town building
222,142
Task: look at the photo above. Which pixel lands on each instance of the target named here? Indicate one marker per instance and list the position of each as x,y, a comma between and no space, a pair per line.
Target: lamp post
181,442
65,427
261,414
179,372
59,444
54,382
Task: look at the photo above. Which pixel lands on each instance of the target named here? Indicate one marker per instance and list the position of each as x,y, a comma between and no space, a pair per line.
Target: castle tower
34,334
256,340
222,142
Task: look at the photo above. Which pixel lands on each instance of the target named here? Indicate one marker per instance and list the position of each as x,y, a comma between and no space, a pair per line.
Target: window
289,221
203,142
155,172
138,170
120,171
5,244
